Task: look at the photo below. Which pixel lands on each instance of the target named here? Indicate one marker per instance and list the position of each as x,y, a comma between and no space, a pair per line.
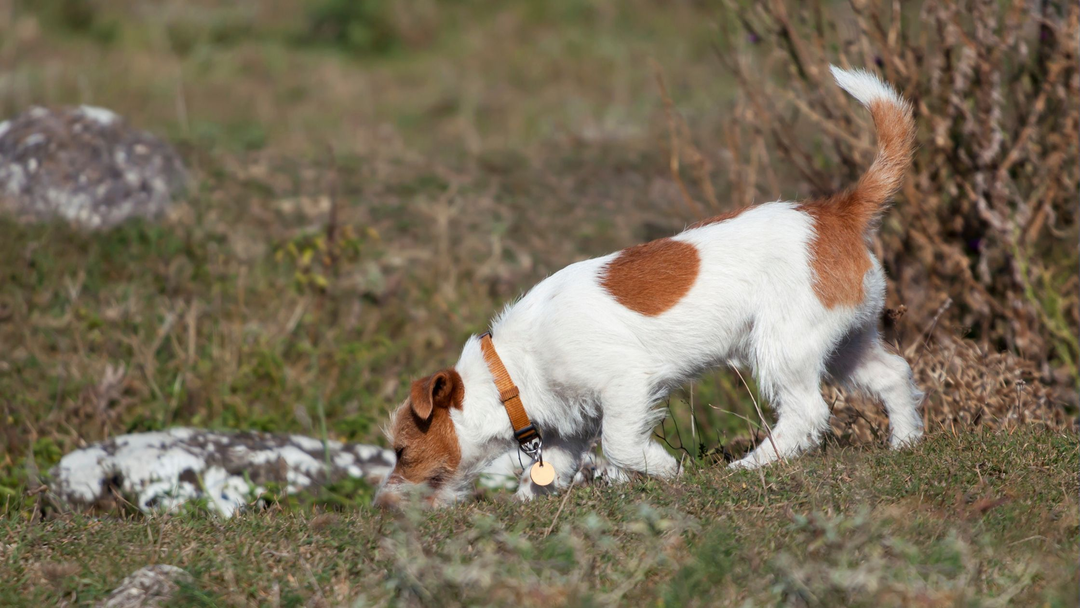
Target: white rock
163,470
99,115
147,587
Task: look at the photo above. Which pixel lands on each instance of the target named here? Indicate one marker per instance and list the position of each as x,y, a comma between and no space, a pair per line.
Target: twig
551,527
163,331
332,220
678,433
768,429
314,583
764,486
930,330
297,315
737,415
673,163
873,427
825,124
192,333
693,428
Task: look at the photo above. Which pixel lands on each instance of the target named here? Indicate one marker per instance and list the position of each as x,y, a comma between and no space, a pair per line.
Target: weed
356,26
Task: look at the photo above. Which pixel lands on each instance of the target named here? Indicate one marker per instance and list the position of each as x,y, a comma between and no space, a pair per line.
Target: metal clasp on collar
530,441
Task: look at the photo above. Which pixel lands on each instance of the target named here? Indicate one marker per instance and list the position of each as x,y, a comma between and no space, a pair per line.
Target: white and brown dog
788,289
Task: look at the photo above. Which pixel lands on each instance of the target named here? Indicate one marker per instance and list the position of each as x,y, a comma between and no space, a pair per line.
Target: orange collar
526,434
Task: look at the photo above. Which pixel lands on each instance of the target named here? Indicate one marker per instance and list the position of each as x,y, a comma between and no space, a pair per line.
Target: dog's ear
441,390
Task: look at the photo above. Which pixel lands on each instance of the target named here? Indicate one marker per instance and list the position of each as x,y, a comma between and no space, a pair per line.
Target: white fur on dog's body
588,367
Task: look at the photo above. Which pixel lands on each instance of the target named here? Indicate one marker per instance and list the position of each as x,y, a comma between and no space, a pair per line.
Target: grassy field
980,519
372,181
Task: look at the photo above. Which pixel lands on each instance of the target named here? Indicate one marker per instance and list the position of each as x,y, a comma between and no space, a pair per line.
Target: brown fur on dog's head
423,437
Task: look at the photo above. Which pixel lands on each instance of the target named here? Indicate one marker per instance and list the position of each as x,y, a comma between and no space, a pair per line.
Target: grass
958,520
357,210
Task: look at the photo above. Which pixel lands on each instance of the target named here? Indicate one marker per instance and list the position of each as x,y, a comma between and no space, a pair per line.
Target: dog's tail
895,129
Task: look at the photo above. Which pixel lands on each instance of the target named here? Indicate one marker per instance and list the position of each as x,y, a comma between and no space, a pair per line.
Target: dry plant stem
562,505
332,220
669,112
870,423
826,125
768,429
314,582
764,486
750,427
933,325
192,328
678,433
693,427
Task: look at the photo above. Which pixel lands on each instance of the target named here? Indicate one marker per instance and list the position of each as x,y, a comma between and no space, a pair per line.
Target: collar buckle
527,434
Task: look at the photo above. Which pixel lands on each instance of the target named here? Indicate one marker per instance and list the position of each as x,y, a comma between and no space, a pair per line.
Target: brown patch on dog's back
428,450
838,253
652,277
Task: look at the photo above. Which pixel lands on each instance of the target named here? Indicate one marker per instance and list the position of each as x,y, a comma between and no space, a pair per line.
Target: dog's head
426,443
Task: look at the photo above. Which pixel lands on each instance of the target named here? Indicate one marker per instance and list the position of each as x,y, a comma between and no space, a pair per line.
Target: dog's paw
528,490
899,441
745,463
525,492
613,475
753,460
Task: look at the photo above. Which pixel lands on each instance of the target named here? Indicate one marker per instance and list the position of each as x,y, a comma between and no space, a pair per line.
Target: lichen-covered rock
147,587
85,165
163,470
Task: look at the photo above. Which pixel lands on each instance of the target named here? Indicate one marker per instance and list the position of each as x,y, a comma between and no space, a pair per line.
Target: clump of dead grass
967,385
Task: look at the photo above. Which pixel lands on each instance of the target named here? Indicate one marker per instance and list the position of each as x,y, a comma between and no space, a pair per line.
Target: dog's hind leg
788,372
862,363
803,417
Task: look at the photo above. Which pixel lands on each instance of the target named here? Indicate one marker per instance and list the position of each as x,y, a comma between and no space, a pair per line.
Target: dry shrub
987,216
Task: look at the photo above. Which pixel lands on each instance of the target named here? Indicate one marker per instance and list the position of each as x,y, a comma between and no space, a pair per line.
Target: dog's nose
387,500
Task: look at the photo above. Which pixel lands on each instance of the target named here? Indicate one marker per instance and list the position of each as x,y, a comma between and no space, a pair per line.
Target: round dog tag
542,474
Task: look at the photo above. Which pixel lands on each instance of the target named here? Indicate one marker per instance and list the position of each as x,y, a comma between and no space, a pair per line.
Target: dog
788,289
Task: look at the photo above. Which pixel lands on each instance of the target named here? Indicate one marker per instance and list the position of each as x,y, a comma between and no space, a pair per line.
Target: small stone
147,587
85,165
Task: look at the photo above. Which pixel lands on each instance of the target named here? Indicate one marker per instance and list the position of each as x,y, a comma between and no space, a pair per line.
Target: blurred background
368,182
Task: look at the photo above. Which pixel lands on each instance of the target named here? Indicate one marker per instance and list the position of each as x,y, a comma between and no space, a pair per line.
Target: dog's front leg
626,433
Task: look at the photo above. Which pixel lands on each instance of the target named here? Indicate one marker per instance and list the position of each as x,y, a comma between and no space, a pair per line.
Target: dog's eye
398,453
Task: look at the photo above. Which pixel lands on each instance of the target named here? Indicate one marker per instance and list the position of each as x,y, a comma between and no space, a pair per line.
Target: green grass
957,521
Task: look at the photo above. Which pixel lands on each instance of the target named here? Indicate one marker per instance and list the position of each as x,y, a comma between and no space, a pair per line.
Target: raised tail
895,129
